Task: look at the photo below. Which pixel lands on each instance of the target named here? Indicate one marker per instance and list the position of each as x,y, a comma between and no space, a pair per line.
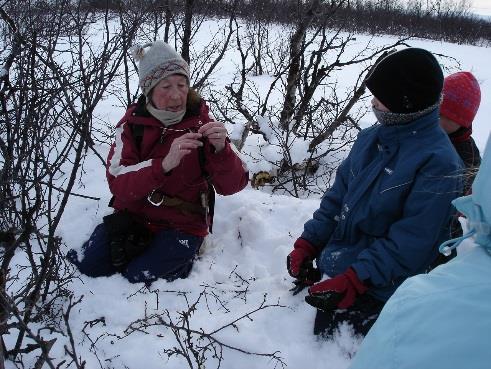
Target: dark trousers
361,316
170,255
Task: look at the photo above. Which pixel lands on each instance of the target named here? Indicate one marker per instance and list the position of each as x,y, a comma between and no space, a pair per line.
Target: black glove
127,238
118,253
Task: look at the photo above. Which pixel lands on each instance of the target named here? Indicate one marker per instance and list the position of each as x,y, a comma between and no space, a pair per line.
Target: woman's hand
179,148
216,133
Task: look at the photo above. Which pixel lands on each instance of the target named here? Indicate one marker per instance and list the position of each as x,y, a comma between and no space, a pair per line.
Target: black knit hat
407,81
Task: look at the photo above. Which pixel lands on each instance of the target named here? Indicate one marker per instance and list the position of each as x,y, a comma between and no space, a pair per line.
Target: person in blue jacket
390,205
442,320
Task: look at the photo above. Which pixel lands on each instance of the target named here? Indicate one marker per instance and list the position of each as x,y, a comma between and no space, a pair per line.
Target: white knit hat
157,62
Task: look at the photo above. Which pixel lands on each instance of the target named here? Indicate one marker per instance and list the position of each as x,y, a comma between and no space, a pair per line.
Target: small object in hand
303,253
308,273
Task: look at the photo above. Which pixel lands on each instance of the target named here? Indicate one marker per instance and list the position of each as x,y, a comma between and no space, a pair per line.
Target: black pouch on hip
127,238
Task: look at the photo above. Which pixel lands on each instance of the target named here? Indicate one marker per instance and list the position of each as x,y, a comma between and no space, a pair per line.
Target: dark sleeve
469,153
319,229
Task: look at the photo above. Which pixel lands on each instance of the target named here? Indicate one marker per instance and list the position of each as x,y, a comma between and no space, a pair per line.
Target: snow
241,267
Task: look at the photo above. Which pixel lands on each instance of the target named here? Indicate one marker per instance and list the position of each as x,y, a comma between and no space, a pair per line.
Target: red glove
344,287
302,254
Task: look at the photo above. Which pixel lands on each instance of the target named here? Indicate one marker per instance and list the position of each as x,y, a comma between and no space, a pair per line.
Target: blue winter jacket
389,206
442,320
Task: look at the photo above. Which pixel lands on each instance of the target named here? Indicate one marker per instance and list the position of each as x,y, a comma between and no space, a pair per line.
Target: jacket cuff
158,171
362,274
355,280
318,246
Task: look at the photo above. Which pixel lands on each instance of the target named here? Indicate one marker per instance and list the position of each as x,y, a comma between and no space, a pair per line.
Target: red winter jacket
133,174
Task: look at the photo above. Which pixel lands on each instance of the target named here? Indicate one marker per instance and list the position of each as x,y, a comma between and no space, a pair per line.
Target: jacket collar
461,135
137,113
420,127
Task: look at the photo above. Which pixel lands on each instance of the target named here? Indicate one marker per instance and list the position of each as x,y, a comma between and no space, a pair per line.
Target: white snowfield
242,270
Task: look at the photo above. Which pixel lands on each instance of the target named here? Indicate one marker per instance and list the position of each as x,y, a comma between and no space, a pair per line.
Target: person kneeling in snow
442,320
166,161
390,205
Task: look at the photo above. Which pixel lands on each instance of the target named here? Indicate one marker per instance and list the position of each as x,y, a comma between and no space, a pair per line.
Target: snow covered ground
241,271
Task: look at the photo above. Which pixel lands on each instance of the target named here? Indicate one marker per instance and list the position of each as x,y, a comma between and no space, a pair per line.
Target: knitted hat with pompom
156,61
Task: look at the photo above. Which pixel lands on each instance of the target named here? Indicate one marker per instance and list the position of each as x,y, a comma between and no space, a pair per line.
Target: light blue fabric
477,207
388,208
441,320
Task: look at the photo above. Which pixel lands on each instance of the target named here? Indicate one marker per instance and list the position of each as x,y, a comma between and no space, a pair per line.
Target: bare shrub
53,80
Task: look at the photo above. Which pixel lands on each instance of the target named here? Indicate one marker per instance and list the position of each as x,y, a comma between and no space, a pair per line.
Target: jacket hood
476,207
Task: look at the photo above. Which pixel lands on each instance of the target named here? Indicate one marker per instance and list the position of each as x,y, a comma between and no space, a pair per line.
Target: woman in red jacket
167,157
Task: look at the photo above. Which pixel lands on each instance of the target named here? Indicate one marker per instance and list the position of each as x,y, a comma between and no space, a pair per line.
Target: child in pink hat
461,99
